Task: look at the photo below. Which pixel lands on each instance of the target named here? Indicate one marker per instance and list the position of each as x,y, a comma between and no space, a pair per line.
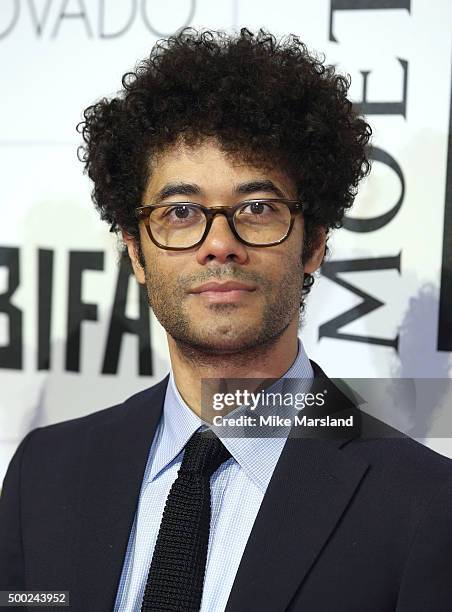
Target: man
224,163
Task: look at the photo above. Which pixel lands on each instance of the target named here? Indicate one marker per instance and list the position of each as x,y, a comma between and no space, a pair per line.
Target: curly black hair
266,100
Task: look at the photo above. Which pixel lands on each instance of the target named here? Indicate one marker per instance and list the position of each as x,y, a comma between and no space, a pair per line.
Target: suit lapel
310,489
116,456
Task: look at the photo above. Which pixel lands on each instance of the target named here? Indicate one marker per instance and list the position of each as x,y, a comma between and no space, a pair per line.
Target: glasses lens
262,221
177,225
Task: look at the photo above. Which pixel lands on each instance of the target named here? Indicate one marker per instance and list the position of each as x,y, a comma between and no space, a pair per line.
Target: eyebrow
266,186
172,189
247,188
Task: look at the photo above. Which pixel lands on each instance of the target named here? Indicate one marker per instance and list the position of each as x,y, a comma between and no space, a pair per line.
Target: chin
223,339
223,345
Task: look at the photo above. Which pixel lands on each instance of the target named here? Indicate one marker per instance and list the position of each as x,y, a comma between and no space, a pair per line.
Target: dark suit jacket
351,524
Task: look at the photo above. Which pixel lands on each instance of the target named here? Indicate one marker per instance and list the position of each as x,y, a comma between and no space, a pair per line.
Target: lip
223,293
223,287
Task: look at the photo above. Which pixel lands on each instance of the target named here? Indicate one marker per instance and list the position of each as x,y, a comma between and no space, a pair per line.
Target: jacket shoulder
391,452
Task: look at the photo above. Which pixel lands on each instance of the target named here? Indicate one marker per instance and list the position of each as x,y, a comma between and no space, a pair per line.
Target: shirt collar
256,456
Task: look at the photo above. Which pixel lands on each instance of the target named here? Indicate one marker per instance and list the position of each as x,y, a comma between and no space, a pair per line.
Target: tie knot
204,453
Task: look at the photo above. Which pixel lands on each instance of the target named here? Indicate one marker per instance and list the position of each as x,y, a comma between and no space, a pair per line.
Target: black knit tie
176,576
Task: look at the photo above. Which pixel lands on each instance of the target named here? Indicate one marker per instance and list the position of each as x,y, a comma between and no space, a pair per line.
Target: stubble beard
228,339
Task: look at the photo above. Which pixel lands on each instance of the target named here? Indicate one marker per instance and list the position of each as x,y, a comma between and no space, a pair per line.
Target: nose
220,244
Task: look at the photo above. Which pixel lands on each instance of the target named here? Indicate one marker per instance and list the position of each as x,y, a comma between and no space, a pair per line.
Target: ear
314,262
132,249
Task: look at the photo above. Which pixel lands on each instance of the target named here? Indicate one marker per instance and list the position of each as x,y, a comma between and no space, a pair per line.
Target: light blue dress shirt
237,490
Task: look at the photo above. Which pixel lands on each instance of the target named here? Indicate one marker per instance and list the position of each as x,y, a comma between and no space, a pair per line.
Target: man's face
271,278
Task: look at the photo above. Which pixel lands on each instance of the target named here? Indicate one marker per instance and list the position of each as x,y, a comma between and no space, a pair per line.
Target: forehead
211,169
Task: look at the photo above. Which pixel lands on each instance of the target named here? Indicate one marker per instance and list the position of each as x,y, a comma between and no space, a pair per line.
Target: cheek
295,244
297,235
165,269
286,257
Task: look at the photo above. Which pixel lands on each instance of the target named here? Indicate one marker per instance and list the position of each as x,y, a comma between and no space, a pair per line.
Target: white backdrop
58,56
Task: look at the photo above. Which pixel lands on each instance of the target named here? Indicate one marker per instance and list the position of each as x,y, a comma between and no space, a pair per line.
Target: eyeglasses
183,225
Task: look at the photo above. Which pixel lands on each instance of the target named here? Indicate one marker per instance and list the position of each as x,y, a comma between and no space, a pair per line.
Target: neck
191,365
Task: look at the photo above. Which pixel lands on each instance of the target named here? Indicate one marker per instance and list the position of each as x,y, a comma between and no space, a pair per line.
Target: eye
178,214
257,208
182,211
